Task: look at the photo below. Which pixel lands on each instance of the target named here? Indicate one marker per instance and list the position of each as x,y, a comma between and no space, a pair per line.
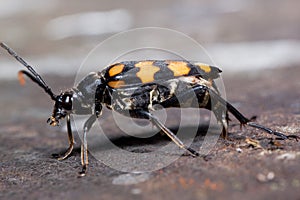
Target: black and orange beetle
133,88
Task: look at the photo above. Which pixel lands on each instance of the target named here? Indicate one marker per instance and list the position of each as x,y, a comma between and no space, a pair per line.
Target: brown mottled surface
233,170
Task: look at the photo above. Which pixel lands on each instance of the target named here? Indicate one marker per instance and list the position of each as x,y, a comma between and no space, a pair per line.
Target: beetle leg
98,100
202,100
270,131
216,99
84,151
219,110
221,114
71,142
205,101
169,133
245,121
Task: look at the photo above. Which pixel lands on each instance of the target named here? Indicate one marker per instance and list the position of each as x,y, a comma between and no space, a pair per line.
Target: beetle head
63,102
77,101
63,106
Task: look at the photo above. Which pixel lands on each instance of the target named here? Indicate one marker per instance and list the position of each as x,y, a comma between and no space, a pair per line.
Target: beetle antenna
34,76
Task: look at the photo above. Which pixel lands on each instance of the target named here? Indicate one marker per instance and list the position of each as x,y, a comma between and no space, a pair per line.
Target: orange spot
147,71
116,84
212,185
186,183
116,70
21,78
179,68
204,67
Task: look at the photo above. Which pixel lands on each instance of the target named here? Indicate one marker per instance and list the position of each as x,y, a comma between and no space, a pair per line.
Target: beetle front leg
84,151
71,142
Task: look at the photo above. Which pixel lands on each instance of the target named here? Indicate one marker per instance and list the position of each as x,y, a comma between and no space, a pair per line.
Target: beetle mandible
181,79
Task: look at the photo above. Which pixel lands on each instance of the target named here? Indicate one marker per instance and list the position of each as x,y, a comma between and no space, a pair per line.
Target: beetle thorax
84,94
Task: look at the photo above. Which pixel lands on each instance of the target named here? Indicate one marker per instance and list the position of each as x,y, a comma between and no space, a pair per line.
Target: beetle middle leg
169,133
220,111
199,97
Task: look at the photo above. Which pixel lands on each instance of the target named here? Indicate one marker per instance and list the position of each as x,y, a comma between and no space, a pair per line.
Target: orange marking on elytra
116,70
21,78
204,67
179,68
116,84
147,71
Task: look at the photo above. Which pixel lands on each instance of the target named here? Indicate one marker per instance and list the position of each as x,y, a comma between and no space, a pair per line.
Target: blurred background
239,35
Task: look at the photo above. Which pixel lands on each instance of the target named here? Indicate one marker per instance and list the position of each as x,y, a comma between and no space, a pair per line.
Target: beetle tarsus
193,152
82,173
270,131
64,155
295,137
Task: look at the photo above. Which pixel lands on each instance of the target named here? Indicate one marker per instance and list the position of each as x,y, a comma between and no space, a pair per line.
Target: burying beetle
133,88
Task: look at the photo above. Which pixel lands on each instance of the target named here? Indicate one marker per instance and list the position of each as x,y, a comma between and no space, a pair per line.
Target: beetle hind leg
270,131
245,121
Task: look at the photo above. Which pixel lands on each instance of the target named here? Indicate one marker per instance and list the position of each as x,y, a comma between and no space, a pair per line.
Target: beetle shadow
160,137
143,143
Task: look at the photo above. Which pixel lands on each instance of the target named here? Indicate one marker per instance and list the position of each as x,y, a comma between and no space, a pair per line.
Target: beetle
134,88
